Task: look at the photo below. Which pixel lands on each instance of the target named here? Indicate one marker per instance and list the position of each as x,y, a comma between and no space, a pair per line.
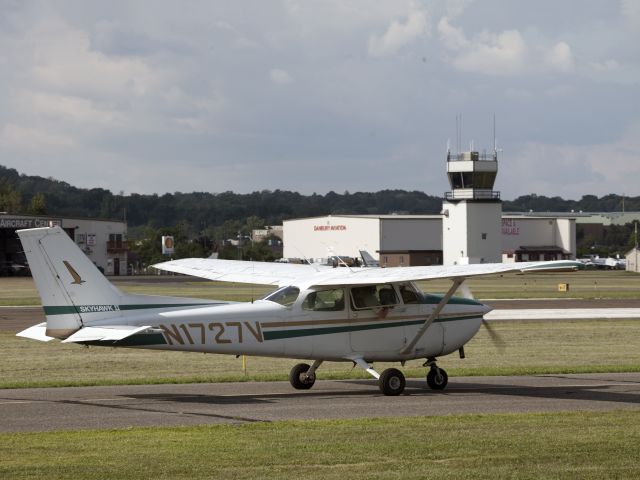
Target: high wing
304,276
261,273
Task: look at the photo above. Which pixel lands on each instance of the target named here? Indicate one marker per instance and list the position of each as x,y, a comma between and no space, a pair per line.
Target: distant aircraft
368,260
608,263
358,315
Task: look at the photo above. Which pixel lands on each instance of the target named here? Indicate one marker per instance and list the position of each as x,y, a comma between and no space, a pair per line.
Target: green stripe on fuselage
434,299
305,332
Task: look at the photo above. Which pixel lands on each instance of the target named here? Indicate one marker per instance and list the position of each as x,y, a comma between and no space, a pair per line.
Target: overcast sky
313,96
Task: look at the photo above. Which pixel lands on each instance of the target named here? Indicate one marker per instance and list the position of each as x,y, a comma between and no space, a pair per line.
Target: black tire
295,377
437,379
392,382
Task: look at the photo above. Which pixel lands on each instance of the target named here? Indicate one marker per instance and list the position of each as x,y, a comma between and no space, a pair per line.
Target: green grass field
584,284
526,446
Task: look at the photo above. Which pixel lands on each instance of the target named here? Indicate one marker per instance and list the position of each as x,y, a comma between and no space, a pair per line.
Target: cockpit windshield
285,296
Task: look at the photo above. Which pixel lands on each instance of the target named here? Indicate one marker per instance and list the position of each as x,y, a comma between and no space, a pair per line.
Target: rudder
67,281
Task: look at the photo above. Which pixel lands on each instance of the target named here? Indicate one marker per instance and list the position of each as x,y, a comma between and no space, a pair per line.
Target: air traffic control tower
472,210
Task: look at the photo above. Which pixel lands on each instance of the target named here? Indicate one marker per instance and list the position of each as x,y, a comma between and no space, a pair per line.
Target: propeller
496,339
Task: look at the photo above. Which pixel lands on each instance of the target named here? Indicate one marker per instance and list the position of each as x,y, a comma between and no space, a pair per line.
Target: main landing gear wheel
299,378
437,378
392,382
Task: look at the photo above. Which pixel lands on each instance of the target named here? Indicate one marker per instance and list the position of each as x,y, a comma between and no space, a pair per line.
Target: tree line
203,220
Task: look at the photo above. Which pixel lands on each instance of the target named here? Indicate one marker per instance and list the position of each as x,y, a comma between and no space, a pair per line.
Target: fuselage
336,323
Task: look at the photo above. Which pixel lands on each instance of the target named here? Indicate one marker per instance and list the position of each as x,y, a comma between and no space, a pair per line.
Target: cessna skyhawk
360,315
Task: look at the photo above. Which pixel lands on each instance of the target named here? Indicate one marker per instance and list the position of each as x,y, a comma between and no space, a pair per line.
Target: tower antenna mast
495,146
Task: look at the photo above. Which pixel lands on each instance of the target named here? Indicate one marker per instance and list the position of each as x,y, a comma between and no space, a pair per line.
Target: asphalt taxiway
29,410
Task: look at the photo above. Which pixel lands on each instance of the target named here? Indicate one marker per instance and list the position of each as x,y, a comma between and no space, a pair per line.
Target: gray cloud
339,95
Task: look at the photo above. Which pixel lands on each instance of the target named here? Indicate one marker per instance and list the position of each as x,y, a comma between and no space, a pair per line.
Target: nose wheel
437,378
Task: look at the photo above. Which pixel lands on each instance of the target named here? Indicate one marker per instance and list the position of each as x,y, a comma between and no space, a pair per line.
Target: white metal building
632,260
399,238
530,238
418,239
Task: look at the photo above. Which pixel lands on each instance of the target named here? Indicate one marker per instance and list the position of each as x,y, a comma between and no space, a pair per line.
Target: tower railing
474,156
472,194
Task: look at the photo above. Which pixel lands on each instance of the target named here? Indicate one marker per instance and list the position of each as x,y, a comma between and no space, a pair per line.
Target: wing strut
456,283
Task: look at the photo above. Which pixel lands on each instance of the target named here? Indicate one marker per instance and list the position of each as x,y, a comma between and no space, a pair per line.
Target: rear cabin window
373,296
325,301
285,296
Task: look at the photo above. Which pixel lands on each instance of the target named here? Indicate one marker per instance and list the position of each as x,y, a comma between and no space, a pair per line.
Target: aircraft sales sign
20,223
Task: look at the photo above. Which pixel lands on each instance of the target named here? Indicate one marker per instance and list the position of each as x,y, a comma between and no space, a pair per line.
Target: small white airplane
359,315
608,263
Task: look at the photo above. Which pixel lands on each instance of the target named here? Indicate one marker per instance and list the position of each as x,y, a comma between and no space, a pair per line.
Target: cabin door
377,320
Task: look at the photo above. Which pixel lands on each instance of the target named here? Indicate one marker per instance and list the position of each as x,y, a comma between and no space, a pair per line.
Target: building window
484,236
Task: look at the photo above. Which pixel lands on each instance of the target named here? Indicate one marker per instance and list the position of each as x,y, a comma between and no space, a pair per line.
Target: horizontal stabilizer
37,332
105,333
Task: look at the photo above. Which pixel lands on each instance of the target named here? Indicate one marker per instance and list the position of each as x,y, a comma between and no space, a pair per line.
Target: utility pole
635,249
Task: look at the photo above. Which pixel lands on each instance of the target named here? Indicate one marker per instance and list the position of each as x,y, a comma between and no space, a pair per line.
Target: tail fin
75,294
67,281
368,259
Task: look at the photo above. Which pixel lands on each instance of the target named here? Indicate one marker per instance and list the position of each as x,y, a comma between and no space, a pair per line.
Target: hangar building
104,241
396,240
533,237
407,240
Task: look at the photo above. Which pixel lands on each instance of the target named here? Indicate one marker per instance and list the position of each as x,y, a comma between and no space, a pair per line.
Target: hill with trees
206,219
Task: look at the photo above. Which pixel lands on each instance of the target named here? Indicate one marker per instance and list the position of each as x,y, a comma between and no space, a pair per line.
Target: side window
387,296
372,296
284,296
408,294
325,301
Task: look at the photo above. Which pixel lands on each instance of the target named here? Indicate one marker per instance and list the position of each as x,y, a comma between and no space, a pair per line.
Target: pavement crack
161,411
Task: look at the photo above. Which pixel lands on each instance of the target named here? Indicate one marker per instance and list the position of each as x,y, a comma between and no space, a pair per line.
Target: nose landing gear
437,378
